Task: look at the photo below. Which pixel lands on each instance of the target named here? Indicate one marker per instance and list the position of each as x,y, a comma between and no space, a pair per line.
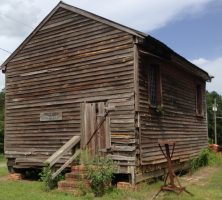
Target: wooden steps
76,181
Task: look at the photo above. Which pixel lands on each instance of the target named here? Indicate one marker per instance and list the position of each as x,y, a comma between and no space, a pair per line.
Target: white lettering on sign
50,116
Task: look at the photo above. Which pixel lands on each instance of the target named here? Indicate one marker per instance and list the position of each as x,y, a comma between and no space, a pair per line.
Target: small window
154,85
199,100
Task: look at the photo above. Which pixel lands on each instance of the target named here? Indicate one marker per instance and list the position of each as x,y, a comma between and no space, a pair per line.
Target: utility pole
215,120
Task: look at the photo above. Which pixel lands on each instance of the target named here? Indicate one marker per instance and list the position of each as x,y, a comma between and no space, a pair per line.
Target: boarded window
199,99
154,85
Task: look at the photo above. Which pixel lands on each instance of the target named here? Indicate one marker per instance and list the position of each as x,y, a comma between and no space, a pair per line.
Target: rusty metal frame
170,186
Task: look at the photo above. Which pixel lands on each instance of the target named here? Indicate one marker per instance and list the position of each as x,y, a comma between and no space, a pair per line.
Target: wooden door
92,114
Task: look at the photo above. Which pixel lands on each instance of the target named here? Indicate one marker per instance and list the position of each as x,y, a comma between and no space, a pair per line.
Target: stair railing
51,161
69,145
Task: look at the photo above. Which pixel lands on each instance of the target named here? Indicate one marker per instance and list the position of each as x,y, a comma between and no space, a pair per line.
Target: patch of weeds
46,178
2,158
100,171
160,110
205,158
85,157
215,158
83,188
100,174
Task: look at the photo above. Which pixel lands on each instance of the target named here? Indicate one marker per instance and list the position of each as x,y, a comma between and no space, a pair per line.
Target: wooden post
215,120
136,74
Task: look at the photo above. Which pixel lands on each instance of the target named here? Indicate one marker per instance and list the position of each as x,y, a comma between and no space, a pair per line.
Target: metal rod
169,185
97,128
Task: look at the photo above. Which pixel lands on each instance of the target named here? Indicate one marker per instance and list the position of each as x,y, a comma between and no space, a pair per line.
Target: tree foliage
210,100
2,105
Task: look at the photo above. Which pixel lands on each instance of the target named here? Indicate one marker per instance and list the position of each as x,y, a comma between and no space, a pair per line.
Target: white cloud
2,81
214,68
143,15
200,61
10,44
17,16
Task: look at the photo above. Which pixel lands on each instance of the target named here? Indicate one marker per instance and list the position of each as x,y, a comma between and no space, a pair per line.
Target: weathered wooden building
77,69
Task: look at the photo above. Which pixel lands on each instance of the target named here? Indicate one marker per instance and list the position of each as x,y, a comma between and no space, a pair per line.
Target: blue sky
194,36
192,28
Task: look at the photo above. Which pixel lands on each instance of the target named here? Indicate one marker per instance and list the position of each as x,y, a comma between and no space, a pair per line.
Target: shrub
2,105
46,178
100,174
206,157
85,157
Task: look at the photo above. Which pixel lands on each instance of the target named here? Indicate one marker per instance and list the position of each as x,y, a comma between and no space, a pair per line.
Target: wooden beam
121,158
123,148
66,164
59,153
136,74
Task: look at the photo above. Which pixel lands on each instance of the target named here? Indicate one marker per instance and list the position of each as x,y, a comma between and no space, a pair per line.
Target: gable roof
104,21
179,60
61,4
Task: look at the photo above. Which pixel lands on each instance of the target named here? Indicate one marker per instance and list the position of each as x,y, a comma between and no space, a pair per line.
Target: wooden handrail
62,151
68,146
66,164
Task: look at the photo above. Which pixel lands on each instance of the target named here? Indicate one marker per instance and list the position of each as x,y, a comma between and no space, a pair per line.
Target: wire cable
17,21
5,50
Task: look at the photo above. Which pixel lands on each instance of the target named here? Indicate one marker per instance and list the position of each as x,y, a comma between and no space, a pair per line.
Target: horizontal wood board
71,59
178,121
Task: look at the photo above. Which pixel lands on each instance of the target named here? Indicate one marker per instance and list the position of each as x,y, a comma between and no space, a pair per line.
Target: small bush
46,178
205,158
86,158
83,190
100,174
210,141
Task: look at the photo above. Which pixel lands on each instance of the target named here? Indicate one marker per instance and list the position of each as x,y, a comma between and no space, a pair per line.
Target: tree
2,105
210,100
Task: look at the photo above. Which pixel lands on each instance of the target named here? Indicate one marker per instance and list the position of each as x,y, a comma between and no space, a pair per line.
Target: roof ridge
80,11
112,23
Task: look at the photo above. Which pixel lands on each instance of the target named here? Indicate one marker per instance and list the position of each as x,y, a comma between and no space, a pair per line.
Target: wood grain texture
77,65
178,121
72,59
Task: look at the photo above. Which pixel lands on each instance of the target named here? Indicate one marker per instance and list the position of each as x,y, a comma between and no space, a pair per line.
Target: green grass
207,187
3,171
210,188
24,190
2,158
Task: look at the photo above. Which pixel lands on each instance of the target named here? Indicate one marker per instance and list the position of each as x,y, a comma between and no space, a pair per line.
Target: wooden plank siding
76,65
72,59
179,121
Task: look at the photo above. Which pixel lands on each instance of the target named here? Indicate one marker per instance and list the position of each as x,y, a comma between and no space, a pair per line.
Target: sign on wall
50,116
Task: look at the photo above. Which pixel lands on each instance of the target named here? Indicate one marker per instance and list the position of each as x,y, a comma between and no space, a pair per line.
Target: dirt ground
201,177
